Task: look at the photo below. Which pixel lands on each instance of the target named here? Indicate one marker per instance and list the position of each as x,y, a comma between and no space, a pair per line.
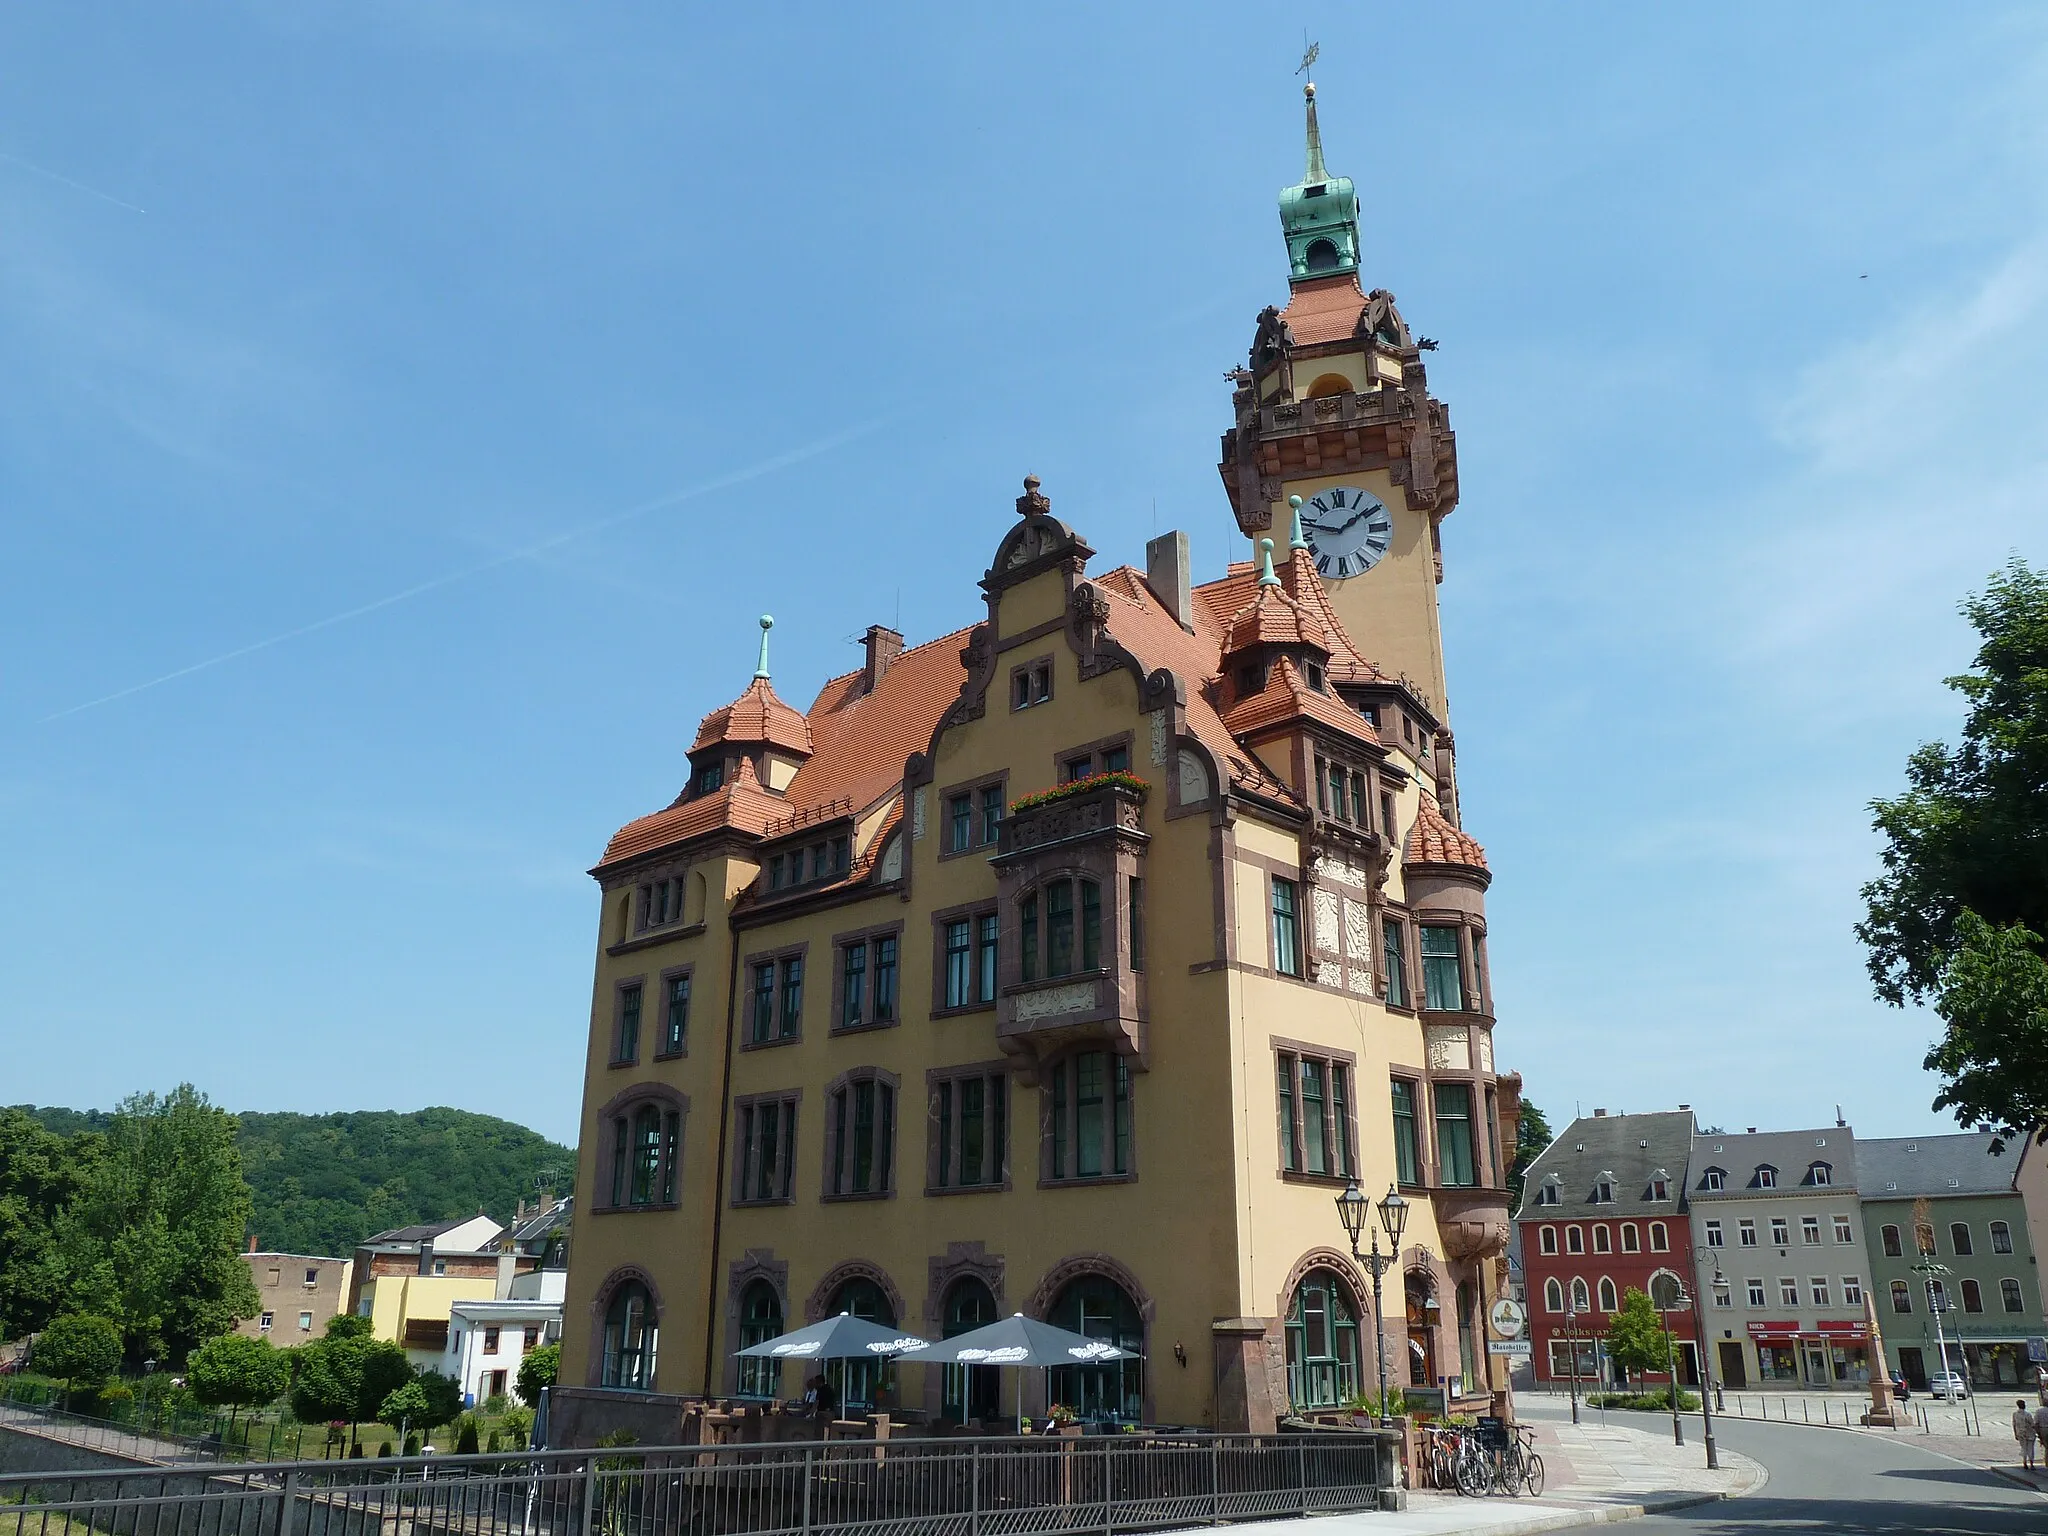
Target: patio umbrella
1020,1341
844,1337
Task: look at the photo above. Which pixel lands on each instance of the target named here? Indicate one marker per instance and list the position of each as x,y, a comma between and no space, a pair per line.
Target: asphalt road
1827,1482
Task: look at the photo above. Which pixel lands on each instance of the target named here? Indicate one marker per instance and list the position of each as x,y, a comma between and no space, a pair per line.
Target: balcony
1472,1222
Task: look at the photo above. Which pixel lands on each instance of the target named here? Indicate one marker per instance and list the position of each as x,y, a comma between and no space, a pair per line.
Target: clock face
1348,530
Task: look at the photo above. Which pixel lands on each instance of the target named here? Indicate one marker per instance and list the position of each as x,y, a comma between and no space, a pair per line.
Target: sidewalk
1594,1475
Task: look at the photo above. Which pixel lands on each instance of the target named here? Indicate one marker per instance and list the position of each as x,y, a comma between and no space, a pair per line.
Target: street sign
1514,1349
1509,1317
2037,1351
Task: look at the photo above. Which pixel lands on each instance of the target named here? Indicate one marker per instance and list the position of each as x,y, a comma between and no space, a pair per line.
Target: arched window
1660,1240
2001,1237
1322,256
1322,1343
1959,1238
1608,1302
1665,1289
630,1334
1574,1240
1603,1241
1070,937
2009,1295
644,1126
1553,1295
1631,1237
971,1391
1890,1237
1547,1239
1328,384
760,1321
1097,1306
1902,1296
860,1382
1582,1299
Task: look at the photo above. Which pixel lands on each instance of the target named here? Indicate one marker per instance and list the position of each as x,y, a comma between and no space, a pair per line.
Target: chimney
884,646
508,1266
1599,1114
1685,1106
426,1256
1166,573
1751,1131
252,1242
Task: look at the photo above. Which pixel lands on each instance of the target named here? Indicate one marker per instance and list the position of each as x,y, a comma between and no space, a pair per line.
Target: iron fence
951,1487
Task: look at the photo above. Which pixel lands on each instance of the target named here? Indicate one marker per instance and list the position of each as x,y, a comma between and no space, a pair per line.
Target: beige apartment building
1074,962
296,1293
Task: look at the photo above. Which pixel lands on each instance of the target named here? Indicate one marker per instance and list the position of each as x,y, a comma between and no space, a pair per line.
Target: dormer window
823,860
707,778
1603,1189
1714,1180
1314,674
1660,1185
1766,1177
1820,1173
1550,1192
1251,678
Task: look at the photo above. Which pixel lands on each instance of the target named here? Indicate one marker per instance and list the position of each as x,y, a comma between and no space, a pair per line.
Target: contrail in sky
105,197
464,573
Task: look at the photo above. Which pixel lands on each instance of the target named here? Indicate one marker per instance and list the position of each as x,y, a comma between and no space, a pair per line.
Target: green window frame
1457,1166
1443,982
1393,955
1286,928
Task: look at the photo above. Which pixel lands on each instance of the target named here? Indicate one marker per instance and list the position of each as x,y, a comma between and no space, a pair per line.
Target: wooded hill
323,1183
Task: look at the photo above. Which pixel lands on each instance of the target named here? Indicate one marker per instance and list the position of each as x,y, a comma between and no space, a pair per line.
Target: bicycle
1520,1467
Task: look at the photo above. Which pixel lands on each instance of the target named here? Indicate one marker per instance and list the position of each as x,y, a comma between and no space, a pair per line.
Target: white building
488,1339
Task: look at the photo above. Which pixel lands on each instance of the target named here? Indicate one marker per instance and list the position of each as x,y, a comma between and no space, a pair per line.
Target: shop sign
1786,1330
1513,1349
1509,1318
2037,1351
1843,1329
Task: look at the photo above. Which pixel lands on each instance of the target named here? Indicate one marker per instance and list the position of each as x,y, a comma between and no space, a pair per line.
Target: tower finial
1266,576
1295,540
1316,173
1033,502
767,623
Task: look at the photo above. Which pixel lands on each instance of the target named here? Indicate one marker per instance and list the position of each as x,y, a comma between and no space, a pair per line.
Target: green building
1985,1282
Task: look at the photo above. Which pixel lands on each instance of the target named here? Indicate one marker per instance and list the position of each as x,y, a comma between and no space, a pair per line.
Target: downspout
732,979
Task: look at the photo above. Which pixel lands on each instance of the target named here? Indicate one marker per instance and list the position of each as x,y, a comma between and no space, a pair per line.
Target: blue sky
507,361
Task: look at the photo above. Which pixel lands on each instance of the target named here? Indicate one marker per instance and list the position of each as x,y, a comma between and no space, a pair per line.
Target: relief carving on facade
1159,738
1449,1047
1361,983
1052,1002
1357,930
892,858
1326,921
1194,782
917,814
1329,974
1482,1041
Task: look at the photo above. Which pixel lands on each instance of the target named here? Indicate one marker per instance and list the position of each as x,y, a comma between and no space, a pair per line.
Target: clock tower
1333,407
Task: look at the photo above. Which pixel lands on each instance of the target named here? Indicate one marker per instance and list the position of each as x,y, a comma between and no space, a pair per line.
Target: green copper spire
1319,215
767,623
1266,576
1295,540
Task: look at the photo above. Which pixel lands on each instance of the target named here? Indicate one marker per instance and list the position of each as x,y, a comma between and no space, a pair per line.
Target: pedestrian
2041,1423
2025,1430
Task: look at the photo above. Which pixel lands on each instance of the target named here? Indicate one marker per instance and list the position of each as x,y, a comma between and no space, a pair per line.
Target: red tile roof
1288,697
1434,841
741,803
756,716
1218,601
1273,618
1324,309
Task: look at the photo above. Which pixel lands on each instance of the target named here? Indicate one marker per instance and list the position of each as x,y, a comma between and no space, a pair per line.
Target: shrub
384,1449
518,1425
465,1439
1658,1401
495,1405
412,1444
492,1443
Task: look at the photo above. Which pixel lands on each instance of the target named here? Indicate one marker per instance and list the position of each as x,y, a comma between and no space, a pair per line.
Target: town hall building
1074,962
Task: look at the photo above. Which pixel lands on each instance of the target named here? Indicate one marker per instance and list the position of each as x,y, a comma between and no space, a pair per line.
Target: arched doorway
1097,1306
1322,1342
971,1391
631,1333
1423,1317
860,1382
760,1321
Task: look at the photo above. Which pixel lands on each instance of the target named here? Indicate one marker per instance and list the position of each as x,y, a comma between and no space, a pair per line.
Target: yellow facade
1310,995
395,1300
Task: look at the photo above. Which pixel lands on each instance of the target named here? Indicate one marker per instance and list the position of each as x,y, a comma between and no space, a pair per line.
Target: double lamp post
1354,1210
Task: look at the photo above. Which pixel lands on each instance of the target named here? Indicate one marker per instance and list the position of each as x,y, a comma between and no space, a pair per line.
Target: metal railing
951,1487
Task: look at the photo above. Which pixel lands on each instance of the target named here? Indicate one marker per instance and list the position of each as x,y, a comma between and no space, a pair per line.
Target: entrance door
1688,1363
1913,1368
1817,1367
1734,1370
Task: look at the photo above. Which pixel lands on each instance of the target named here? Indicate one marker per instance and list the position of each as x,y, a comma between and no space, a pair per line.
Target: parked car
1947,1387
1899,1387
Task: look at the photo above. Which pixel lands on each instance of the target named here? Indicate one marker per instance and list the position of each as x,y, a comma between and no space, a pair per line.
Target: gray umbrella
844,1337
1020,1341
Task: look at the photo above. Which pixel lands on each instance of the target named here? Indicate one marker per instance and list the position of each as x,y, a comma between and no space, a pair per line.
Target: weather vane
1310,52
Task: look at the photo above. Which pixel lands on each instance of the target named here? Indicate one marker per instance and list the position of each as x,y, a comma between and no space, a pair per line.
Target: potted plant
1065,1421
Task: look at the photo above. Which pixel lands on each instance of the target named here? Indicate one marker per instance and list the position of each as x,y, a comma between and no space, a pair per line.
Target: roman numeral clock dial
1348,530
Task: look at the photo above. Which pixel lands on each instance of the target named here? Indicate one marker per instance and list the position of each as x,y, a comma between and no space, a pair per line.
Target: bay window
1088,1114
1443,983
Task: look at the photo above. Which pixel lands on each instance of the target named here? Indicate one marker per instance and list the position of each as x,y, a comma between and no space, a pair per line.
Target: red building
1604,1210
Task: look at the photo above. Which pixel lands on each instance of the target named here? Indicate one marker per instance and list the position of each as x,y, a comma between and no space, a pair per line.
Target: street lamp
1353,1210
1671,1301
1699,1333
1571,1333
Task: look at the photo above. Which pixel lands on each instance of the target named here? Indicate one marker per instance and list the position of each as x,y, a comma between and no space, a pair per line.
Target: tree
1958,914
444,1399
1532,1135
346,1325
236,1372
404,1406
41,1174
1636,1340
538,1369
346,1377
154,1239
78,1347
